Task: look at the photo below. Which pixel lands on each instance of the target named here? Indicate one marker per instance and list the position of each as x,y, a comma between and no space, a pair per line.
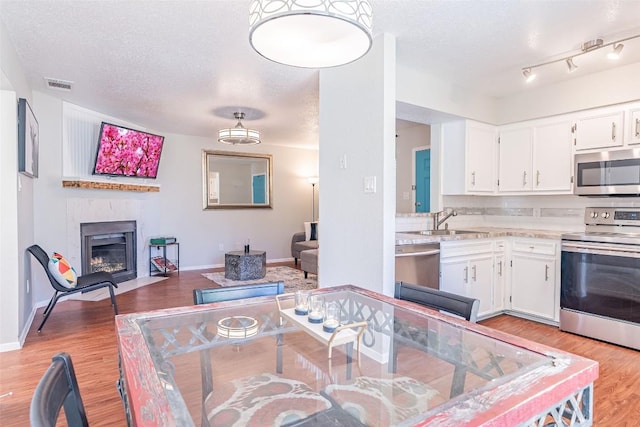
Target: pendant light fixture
239,135
311,34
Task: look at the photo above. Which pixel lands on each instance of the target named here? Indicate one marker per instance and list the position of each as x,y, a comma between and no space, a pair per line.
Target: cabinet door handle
473,178
613,131
473,275
546,272
466,275
500,268
524,178
637,128
537,178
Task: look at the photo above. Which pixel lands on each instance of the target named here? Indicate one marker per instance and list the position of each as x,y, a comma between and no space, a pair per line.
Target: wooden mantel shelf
96,185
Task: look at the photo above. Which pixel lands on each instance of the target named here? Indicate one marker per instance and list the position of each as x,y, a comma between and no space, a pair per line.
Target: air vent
58,84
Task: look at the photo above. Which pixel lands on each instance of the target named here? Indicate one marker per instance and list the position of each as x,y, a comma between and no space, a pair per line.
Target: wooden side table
240,265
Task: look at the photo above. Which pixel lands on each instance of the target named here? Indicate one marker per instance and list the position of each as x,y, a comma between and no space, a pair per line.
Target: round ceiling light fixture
239,135
311,33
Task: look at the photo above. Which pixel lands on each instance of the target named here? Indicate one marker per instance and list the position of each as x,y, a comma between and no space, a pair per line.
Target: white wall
177,209
614,86
16,193
407,139
357,122
419,89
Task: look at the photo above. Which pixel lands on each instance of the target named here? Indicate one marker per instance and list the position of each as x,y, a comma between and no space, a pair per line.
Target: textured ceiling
186,66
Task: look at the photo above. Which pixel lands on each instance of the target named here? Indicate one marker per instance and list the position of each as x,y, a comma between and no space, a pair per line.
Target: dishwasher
419,264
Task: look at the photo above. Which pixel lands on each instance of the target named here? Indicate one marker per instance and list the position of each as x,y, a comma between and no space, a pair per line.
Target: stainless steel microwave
608,173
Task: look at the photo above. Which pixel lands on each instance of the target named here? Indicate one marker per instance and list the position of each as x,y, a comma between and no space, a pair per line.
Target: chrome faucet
437,221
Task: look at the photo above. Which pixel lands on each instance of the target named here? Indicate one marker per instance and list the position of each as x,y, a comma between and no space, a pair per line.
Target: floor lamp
313,180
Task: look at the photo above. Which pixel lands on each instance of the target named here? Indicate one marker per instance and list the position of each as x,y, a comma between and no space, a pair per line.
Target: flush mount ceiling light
587,47
310,34
239,135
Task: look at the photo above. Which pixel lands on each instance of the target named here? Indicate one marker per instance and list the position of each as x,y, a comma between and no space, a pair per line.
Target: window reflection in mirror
236,180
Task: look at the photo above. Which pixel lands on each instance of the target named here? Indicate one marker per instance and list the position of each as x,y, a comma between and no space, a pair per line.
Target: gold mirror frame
233,180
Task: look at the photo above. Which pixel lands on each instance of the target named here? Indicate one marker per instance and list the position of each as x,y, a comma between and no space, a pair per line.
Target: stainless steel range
600,279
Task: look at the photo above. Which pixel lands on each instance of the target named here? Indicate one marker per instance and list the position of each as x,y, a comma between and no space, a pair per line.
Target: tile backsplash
554,212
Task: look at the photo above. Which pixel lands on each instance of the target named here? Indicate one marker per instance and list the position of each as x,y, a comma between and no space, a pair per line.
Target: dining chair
86,283
229,293
452,304
447,302
57,389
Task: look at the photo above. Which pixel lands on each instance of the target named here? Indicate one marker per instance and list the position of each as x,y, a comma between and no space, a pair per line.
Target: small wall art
28,139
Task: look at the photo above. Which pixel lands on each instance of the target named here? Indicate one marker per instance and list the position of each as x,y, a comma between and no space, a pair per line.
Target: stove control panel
612,216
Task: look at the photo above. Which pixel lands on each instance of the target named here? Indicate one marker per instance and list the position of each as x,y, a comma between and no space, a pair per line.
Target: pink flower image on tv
128,152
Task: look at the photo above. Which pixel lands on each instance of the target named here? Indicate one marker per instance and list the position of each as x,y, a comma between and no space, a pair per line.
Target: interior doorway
422,179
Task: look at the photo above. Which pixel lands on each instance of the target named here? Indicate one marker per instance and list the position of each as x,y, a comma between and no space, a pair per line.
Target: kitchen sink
442,232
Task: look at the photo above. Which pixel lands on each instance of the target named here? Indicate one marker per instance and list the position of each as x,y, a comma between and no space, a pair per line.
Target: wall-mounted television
127,152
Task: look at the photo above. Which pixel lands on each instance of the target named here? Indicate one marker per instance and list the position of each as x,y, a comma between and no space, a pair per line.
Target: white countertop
407,238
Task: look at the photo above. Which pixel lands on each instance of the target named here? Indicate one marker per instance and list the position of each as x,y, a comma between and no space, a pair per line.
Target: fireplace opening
110,246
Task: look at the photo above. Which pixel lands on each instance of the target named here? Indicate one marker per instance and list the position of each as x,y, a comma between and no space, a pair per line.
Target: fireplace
109,246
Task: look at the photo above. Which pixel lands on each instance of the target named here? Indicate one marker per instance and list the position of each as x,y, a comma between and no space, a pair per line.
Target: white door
600,131
480,155
454,275
480,284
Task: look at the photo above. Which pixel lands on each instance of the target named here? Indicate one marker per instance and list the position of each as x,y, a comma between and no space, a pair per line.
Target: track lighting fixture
528,75
587,47
615,53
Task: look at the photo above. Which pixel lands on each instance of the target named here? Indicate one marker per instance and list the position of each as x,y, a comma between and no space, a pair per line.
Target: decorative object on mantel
239,135
28,140
96,185
322,33
293,279
588,46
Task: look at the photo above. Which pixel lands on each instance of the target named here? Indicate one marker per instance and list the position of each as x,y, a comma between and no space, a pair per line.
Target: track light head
571,67
615,53
528,75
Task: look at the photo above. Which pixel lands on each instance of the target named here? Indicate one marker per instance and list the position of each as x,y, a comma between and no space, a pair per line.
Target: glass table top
256,362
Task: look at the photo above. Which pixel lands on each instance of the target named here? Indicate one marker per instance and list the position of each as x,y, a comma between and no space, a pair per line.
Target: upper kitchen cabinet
468,158
536,157
601,128
633,127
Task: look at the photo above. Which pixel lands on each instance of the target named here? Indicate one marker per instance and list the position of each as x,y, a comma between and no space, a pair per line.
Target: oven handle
431,252
628,251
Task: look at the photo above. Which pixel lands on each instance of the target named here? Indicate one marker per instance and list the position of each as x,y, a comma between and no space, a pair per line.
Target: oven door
601,279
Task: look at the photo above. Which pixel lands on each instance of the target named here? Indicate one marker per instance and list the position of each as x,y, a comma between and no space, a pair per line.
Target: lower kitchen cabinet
466,268
535,278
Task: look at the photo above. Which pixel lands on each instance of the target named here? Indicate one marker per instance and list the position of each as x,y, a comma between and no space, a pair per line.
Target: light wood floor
86,331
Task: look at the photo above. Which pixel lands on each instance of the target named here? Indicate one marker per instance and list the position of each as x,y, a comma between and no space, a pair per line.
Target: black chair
458,305
86,283
449,303
204,296
58,388
230,293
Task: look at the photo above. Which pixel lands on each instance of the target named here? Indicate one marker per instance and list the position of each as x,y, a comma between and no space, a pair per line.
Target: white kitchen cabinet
634,126
515,157
466,268
602,128
499,275
535,278
552,157
536,157
468,158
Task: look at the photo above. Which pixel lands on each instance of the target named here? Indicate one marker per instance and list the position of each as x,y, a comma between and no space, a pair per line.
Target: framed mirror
236,180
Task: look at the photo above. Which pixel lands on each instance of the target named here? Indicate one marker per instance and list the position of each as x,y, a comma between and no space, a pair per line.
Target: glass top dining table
255,362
